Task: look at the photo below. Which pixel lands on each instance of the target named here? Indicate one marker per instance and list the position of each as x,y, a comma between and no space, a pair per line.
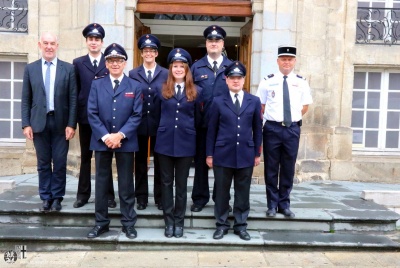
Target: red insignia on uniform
129,95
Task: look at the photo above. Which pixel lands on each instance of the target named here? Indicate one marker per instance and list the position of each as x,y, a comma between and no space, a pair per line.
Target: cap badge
214,32
113,45
213,27
148,41
147,36
287,50
114,52
178,55
237,70
95,30
94,24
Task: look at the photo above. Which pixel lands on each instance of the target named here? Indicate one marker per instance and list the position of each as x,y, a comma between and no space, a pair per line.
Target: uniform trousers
201,191
280,147
51,153
84,183
126,188
174,169
241,206
141,171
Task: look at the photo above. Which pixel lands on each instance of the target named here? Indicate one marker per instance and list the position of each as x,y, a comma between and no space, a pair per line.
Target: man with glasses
208,73
114,112
152,76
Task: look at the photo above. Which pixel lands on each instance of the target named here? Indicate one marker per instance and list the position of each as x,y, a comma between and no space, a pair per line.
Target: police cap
236,68
148,40
214,32
94,29
179,54
115,51
287,51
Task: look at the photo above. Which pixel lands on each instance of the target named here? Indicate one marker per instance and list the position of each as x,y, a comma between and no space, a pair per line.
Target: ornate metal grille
14,16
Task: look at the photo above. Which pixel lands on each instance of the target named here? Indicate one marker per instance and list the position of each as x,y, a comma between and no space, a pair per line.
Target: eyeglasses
148,51
117,61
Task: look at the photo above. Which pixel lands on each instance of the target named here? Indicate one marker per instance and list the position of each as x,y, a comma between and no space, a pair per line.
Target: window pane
17,130
357,119
359,80
394,81
393,120
373,100
374,80
17,110
378,5
357,136
5,90
5,70
372,120
19,70
5,130
371,139
358,99
394,100
17,90
5,110
392,139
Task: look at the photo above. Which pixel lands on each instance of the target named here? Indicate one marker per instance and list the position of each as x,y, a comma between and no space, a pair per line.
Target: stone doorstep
6,185
389,199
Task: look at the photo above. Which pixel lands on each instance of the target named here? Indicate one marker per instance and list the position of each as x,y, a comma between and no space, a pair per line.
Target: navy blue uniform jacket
176,135
85,74
203,76
151,103
111,112
234,139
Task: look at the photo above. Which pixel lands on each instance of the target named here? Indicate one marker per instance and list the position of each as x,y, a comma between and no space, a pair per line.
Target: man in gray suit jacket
48,112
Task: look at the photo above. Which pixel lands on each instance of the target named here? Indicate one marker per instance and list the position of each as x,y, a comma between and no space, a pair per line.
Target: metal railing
378,26
13,16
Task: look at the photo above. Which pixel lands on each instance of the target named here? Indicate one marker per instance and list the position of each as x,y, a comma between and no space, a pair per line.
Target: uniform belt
299,123
50,113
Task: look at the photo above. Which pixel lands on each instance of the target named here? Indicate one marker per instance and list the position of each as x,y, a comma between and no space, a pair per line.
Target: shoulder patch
299,76
269,76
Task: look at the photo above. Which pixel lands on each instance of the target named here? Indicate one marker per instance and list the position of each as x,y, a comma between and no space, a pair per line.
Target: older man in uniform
114,112
233,149
152,76
284,97
208,73
87,68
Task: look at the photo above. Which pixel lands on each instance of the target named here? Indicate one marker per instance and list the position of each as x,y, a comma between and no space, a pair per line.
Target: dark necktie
287,115
116,81
47,85
215,68
237,103
178,95
149,78
95,65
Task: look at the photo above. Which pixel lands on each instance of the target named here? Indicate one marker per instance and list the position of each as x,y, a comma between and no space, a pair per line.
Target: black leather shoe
243,234
196,208
178,232
130,232
97,230
169,231
219,234
286,212
56,206
46,205
141,206
112,203
159,206
79,203
271,212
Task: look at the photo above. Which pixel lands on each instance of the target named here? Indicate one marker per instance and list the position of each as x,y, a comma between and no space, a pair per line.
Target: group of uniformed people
191,111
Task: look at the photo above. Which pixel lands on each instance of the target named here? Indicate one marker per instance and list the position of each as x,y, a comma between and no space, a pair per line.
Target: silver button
178,104
238,126
238,135
149,96
115,100
113,126
176,126
113,117
237,143
114,109
176,118
148,103
148,111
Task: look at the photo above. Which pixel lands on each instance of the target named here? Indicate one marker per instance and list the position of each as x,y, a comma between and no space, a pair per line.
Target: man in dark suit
87,68
233,149
152,76
48,112
208,73
114,113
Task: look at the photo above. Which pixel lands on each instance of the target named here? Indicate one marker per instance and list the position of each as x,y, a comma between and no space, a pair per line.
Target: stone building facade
335,144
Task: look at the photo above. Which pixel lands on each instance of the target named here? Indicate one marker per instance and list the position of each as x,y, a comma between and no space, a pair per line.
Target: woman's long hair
168,89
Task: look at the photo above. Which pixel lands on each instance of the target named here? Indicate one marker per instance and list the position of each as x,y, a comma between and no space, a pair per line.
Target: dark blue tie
178,95
116,81
47,84
149,78
237,103
287,115
95,65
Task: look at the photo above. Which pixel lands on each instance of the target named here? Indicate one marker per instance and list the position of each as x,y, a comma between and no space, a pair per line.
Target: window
14,16
378,22
376,110
11,75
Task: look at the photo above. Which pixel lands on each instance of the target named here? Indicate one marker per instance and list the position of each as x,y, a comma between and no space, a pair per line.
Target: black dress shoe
196,208
46,205
112,203
56,206
130,232
97,230
271,212
178,232
159,206
243,234
141,206
79,203
219,234
169,231
286,212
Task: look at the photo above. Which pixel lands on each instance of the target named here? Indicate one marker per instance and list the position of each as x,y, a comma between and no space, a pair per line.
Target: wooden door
140,29
245,51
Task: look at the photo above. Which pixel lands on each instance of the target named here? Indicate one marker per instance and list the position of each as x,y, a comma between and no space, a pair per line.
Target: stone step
49,238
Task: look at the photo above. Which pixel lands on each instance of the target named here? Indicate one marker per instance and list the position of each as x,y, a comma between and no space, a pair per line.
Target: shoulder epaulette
98,77
269,76
299,76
